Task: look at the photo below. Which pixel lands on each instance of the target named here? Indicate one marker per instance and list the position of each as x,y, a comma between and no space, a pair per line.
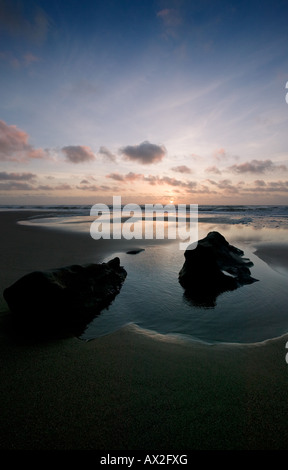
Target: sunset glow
140,99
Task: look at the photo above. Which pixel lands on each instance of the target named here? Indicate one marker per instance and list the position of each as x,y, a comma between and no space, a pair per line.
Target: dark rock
213,267
64,300
135,252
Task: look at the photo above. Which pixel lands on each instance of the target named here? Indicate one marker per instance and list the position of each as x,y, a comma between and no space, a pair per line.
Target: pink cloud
14,145
219,154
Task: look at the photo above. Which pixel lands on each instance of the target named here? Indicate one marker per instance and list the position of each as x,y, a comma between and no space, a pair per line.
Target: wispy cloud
16,186
257,166
152,179
220,154
105,152
88,187
78,154
145,153
30,58
170,181
17,61
171,20
17,22
267,187
225,185
17,176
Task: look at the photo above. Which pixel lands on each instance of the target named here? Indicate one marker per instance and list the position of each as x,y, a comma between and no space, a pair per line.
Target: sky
156,101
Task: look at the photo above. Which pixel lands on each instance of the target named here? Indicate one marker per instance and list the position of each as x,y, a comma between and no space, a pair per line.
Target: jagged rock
64,299
213,267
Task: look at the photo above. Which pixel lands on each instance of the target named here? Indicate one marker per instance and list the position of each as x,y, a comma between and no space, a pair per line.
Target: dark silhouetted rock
213,267
64,300
135,252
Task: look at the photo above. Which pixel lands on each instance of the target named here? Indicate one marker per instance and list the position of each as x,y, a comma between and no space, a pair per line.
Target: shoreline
132,389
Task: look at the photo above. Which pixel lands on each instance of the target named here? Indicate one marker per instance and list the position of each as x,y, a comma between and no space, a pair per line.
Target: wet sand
274,254
131,390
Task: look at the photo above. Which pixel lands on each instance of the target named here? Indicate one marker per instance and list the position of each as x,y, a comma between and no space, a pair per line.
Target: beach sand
131,390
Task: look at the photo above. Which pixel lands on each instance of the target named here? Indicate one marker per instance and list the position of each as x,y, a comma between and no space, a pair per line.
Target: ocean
153,299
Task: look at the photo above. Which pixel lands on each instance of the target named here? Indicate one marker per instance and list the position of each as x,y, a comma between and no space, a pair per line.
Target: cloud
103,151
170,16
78,154
171,20
124,178
15,186
14,144
260,183
151,179
225,185
268,187
17,61
30,59
256,166
88,187
145,153
213,169
189,187
18,23
220,154
90,178
17,176
63,187
45,187
59,187
181,169
116,177
175,182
